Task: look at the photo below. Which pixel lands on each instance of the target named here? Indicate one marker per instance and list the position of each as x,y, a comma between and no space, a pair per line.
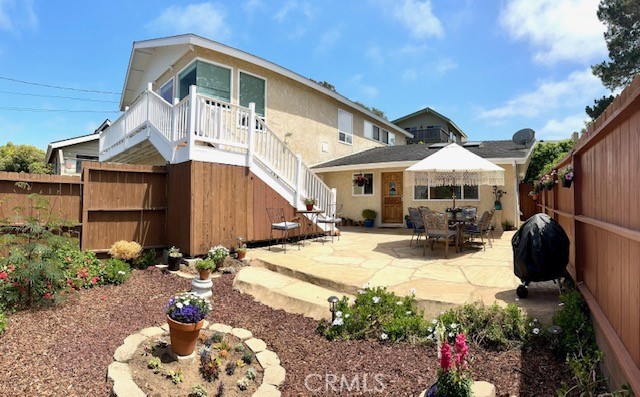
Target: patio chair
418,225
332,218
437,228
278,222
470,213
481,229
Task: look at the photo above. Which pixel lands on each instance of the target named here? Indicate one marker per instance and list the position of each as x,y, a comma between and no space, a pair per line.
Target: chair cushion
285,225
441,233
330,220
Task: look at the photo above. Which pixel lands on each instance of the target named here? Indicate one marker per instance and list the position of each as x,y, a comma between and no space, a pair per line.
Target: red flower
11,268
83,273
3,275
445,356
47,295
461,347
94,280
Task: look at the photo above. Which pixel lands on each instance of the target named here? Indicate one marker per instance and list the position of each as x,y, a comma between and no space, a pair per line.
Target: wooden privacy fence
601,215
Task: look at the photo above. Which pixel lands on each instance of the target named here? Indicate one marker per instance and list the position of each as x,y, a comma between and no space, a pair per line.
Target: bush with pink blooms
454,378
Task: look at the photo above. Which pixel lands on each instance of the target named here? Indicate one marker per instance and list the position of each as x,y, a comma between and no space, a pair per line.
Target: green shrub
148,258
81,268
575,322
116,271
3,322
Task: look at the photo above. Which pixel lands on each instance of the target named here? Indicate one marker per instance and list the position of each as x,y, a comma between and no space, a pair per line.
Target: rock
274,375
118,371
483,389
152,331
125,352
256,345
266,390
241,333
225,329
127,388
228,270
267,358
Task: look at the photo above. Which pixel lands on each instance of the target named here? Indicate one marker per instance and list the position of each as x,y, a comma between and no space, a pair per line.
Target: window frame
196,59
444,199
381,133
354,186
263,117
348,135
173,89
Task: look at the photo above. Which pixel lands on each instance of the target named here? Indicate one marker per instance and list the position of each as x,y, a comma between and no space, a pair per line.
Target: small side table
313,218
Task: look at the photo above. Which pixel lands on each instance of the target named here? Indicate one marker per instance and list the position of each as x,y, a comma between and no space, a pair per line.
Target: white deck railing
224,126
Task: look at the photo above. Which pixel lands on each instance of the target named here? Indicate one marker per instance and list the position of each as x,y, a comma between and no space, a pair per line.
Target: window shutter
214,80
252,89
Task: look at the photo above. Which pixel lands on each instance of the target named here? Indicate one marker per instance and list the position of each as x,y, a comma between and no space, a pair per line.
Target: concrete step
279,291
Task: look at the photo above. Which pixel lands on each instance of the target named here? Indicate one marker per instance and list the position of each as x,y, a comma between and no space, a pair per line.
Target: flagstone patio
382,257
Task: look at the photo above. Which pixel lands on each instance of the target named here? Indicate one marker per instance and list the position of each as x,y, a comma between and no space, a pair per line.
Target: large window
376,133
345,127
166,91
211,80
366,189
444,192
253,89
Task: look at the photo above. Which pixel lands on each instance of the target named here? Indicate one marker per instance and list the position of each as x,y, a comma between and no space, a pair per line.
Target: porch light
332,306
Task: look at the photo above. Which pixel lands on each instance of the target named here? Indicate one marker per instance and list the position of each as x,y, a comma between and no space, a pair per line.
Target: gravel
65,351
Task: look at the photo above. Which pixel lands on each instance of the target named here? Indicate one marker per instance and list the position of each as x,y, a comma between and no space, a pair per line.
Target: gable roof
143,51
69,142
431,111
406,155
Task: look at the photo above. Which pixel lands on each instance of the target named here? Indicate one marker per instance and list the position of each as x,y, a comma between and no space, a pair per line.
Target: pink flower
11,268
445,356
47,295
3,275
94,280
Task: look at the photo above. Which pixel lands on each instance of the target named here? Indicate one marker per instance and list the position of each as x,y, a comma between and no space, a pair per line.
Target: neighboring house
429,126
391,189
66,156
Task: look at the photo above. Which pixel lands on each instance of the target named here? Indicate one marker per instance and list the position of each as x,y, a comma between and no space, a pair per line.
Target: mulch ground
65,351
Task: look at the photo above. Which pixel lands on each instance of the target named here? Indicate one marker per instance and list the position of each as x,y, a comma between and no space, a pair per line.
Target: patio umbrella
454,165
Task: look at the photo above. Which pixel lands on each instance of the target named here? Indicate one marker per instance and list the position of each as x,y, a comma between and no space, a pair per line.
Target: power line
56,110
58,96
58,87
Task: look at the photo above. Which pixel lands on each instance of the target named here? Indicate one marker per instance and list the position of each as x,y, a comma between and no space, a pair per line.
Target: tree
599,106
622,18
23,158
545,155
374,110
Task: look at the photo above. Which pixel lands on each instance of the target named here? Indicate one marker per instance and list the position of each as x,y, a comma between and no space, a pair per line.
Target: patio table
313,218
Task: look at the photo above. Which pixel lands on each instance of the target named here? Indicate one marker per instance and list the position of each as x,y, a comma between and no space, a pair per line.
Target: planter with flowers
241,251
205,267
498,193
535,191
547,182
309,202
174,259
566,176
454,378
360,180
218,254
185,316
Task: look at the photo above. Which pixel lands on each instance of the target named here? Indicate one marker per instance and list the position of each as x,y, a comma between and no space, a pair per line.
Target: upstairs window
376,133
211,80
253,89
345,127
166,91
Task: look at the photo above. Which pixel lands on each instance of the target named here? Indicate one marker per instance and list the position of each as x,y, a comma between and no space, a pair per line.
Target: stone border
123,384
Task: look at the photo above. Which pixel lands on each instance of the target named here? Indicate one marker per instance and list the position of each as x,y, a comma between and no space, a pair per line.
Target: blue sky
493,67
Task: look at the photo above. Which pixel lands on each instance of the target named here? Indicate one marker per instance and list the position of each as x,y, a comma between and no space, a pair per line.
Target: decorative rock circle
124,386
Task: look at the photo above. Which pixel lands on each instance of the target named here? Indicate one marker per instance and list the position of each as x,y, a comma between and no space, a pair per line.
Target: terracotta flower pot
309,207
535,196
241,254
183,336
204,274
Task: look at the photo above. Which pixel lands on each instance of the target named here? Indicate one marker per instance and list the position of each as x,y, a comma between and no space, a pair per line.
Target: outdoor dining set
457,226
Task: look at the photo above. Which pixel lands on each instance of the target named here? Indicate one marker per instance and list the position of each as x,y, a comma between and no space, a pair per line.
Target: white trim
344,132
226,50
222,65
69,142
264,117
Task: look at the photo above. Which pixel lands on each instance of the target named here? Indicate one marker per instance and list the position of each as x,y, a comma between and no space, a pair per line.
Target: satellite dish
524,137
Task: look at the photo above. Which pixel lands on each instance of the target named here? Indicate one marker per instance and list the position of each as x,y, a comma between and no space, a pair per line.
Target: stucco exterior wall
293,108
353,205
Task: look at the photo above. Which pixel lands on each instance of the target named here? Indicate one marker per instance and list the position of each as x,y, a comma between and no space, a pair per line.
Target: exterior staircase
200,128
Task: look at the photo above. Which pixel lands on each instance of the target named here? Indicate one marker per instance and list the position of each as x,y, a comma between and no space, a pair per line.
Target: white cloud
328,40
363,89
411,50
418,18
550,95
292,7
443,65
369,91
207,19
558,30
562,129
252,6
17,15
432,70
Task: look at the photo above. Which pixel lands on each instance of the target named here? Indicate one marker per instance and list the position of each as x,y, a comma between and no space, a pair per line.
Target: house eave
68,142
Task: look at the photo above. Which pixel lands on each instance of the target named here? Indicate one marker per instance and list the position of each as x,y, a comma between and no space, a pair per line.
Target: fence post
192,120
298,192
251,132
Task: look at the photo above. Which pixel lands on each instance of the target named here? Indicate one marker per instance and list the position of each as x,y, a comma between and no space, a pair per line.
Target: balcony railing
429,135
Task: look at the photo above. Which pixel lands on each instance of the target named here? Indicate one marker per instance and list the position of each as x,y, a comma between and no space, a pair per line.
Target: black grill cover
540,249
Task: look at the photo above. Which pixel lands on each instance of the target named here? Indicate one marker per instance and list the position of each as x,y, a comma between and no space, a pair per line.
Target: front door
392,197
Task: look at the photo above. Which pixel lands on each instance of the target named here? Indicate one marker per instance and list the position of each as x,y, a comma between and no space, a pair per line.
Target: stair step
282,292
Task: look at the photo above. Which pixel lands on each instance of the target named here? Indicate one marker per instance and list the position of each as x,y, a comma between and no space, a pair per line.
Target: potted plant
360,180
174,259
454,378
205,267
369,217
241,251
547,182
218,254
309,202
498,193
407,219
185,316
535,191
566,176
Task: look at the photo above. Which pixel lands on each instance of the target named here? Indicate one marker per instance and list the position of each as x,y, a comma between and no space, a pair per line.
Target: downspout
516,196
